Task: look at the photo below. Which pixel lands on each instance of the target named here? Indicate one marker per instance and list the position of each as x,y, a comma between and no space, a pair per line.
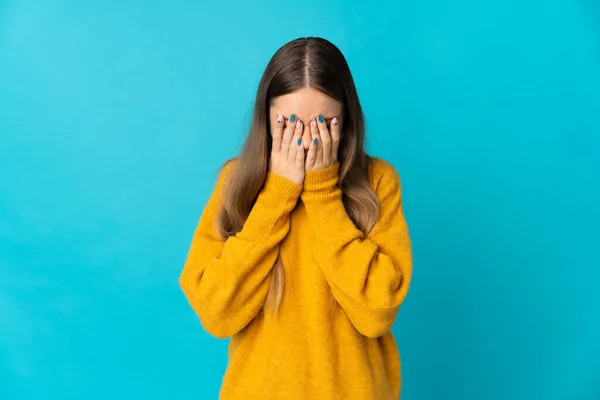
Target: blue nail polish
292,118
299,141
321,118
315,140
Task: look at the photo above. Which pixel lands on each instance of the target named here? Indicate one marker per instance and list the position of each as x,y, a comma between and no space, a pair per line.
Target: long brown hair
319,64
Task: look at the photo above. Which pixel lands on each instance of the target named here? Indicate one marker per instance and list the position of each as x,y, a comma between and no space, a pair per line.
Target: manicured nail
314,123
315,140
298,125
292,118
334,121
299,141
321,118
279,119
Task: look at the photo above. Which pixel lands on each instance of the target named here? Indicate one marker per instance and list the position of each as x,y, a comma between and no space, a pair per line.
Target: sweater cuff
275,201
322,180
278,191
325,209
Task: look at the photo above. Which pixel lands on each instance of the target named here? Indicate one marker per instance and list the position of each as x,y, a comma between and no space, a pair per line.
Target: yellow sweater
306,353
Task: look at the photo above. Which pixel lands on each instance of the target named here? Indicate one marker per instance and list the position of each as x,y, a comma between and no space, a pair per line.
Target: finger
297,139
299,165
314,132
325,139
277,132
288,133
335,139
311,155
315,142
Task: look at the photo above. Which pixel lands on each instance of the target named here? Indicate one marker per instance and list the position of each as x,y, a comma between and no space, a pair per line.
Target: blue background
114,116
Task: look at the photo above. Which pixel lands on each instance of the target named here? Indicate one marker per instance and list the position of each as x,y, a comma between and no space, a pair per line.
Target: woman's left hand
323,150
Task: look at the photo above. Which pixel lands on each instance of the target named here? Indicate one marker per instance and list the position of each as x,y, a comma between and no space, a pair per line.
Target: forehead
307,103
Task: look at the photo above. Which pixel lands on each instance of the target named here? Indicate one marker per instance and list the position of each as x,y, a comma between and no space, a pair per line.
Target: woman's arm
226,282
369,276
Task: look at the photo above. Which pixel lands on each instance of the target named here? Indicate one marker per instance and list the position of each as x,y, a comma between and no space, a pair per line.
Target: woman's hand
323,150
287,153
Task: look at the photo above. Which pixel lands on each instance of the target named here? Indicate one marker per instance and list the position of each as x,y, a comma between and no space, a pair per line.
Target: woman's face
306,103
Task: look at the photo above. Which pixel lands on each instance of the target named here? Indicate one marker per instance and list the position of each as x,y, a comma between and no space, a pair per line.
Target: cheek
271,123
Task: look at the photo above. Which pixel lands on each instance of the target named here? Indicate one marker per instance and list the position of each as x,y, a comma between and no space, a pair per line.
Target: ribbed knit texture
306,351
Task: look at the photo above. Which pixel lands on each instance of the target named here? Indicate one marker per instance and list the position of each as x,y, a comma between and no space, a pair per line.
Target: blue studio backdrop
114,116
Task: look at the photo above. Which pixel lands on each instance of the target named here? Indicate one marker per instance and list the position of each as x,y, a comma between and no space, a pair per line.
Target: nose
306,137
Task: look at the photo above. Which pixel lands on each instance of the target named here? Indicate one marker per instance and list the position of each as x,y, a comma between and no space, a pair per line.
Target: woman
302,254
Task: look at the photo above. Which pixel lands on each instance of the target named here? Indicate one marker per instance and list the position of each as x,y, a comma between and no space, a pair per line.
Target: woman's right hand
287,153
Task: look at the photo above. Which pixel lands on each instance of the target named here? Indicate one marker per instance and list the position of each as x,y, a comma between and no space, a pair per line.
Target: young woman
302,254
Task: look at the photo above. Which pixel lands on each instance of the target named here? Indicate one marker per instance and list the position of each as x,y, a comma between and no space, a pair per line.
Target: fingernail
315,140
321,118
314,123
292,118
334,121
299,141
279,119
298,125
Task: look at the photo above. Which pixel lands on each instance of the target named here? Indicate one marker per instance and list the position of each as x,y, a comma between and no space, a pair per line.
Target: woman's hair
305,62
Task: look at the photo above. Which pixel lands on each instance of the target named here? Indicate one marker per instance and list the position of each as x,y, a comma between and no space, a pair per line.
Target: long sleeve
226,282
369,276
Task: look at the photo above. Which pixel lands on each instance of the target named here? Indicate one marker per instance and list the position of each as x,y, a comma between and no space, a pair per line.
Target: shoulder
225,170
228,165
384,176
219,180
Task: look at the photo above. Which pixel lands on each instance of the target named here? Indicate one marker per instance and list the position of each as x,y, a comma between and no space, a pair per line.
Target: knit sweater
309,350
